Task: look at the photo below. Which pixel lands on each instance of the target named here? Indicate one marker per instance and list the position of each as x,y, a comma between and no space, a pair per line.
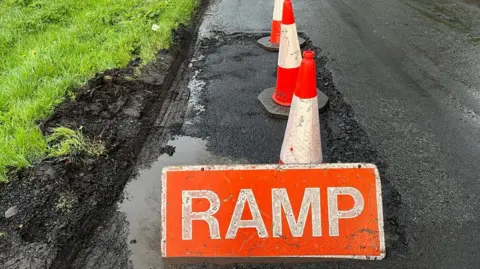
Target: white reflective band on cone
302,144
290,55
278,10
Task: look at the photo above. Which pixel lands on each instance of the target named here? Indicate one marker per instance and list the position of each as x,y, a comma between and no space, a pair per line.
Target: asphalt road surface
410,69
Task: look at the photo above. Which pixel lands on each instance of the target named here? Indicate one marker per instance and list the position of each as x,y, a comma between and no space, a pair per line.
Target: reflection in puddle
142,203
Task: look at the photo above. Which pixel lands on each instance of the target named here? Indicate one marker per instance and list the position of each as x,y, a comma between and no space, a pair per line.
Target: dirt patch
61,201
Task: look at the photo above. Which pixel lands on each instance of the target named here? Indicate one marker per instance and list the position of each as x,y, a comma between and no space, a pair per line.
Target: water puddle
142,203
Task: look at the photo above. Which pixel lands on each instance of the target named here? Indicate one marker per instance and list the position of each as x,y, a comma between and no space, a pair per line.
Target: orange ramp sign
271,212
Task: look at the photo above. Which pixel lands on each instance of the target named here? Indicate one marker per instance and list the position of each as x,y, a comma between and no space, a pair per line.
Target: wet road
142,206
411,71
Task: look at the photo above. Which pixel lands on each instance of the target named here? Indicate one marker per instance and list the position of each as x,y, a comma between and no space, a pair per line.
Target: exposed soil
61,201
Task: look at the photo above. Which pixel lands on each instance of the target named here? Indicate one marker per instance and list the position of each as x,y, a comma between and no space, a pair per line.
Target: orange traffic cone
277,100
289,58
276,22
272,42
302,143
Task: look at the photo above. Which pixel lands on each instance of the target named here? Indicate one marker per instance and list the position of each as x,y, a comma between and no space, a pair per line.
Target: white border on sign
278,167
163,212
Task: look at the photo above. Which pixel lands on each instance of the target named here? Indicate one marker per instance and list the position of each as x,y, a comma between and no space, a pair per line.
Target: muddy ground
61,201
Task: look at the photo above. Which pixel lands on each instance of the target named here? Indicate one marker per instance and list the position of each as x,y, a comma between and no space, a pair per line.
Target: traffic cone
276,22
277,100
302,143
272,42
289,58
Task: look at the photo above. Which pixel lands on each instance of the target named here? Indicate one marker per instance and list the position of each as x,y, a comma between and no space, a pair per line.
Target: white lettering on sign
246,197
334,214
188,216
311,198
280,202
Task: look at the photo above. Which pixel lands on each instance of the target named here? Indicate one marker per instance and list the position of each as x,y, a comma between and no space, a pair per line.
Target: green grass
64,141
47,48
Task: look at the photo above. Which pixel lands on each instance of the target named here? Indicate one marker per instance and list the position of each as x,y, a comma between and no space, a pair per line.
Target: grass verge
47,48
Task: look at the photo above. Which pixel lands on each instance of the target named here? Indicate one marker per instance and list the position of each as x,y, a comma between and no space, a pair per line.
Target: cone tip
288,17
309,54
